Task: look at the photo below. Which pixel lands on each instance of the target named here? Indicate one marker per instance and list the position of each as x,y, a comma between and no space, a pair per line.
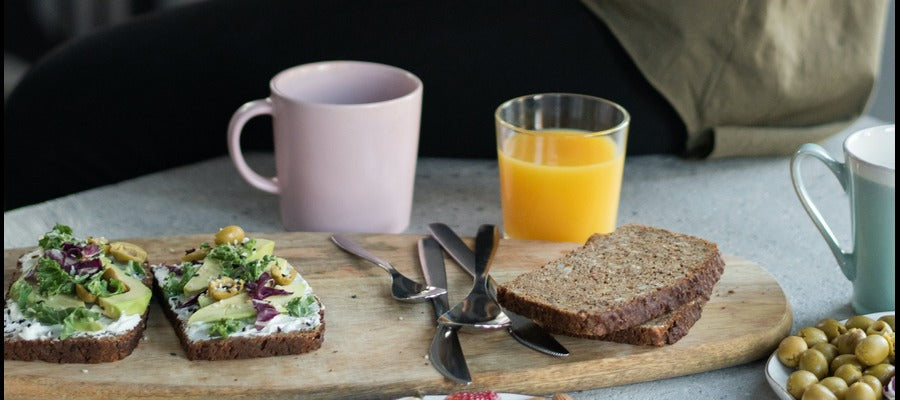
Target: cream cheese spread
17,326
280,323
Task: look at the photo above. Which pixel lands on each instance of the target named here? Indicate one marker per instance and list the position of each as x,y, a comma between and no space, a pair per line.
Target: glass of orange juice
561,158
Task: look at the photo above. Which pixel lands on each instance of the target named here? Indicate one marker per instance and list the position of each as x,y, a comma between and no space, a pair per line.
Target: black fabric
159,91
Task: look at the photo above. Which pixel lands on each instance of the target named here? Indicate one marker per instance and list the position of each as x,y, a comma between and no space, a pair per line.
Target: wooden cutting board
376,347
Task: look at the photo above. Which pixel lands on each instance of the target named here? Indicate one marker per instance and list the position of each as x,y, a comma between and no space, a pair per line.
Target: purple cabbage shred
264,313
263,287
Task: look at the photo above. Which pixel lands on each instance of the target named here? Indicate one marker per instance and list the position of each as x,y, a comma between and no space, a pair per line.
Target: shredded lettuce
135,269
20,291
301,306
224,327
52,279
80,320
56,237
175,284
102,288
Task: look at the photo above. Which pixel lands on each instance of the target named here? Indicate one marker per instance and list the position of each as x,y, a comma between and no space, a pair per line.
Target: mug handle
838,169
238,120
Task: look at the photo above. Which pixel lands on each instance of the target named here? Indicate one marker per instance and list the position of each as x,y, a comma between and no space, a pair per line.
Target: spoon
479,309
402,288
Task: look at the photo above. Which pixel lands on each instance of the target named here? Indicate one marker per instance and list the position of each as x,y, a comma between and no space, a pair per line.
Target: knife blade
521,328
445,352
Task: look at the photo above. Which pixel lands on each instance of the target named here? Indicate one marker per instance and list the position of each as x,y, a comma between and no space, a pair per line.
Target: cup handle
839,170
240,117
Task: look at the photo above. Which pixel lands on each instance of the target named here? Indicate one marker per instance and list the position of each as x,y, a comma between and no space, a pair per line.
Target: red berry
486,395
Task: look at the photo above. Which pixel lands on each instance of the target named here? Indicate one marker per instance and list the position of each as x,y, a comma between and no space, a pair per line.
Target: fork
402,288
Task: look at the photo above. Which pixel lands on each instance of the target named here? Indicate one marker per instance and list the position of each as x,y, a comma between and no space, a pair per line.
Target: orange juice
559,185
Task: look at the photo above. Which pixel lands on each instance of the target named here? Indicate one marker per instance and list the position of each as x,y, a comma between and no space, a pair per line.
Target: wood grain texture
376,347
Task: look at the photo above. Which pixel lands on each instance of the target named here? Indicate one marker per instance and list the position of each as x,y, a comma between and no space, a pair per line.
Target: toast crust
637,251
231,348
659,331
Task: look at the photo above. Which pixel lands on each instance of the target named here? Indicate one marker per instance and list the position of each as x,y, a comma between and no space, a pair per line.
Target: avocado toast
235,299
76,300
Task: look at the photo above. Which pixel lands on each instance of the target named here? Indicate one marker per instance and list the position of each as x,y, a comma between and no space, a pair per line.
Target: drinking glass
561,157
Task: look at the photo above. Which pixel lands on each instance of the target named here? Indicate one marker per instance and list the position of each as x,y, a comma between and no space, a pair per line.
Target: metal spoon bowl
479,309
402,288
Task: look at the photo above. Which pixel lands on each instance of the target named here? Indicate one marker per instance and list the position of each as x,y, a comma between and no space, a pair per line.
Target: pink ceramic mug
346,143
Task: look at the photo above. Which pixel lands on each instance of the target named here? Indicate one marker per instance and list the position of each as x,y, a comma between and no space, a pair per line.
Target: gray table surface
746,205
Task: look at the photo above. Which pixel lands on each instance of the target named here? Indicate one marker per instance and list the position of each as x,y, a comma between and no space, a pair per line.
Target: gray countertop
748,206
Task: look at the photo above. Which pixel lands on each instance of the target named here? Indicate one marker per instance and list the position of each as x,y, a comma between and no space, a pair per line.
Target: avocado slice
209,270
63,301
234,307
134,301
57,301
264,247
280,301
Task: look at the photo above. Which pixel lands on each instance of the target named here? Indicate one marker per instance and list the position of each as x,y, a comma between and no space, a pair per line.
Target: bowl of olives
852,359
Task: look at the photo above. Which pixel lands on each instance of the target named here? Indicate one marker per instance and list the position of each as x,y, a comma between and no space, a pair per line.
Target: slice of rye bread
616,281
84,350
231,348
666,329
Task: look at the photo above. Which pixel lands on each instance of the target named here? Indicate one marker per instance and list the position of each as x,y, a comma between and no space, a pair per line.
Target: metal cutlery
479,309
402,288
521,328
445,351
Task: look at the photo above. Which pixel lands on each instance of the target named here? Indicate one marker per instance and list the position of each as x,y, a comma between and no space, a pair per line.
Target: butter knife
521,328
445,352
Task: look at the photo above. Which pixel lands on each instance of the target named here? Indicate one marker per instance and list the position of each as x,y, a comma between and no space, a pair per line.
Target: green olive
859,322
194,255
861,391
812,336
890,338
828,350
832,328
878,328
835,385
798,381
889,319
845,359
883,372
813,361
818,392
849,373
231,234
125,252
873,382
873,350
789,350
847,342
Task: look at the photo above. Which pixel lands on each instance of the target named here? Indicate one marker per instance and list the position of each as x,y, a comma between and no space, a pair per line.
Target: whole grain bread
619,281
230,348
666,329
84,350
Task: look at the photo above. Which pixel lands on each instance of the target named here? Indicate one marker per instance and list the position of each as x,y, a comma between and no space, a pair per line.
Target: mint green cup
867,176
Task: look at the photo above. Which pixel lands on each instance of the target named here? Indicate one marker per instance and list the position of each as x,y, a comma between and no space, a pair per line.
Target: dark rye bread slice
76,350
231,348
666,329
616,281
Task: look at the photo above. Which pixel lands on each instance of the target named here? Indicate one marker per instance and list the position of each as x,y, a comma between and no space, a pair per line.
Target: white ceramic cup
346,137
867,176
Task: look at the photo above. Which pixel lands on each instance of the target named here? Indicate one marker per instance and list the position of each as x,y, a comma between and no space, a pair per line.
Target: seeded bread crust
232,348
75,350
660,331
616,281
